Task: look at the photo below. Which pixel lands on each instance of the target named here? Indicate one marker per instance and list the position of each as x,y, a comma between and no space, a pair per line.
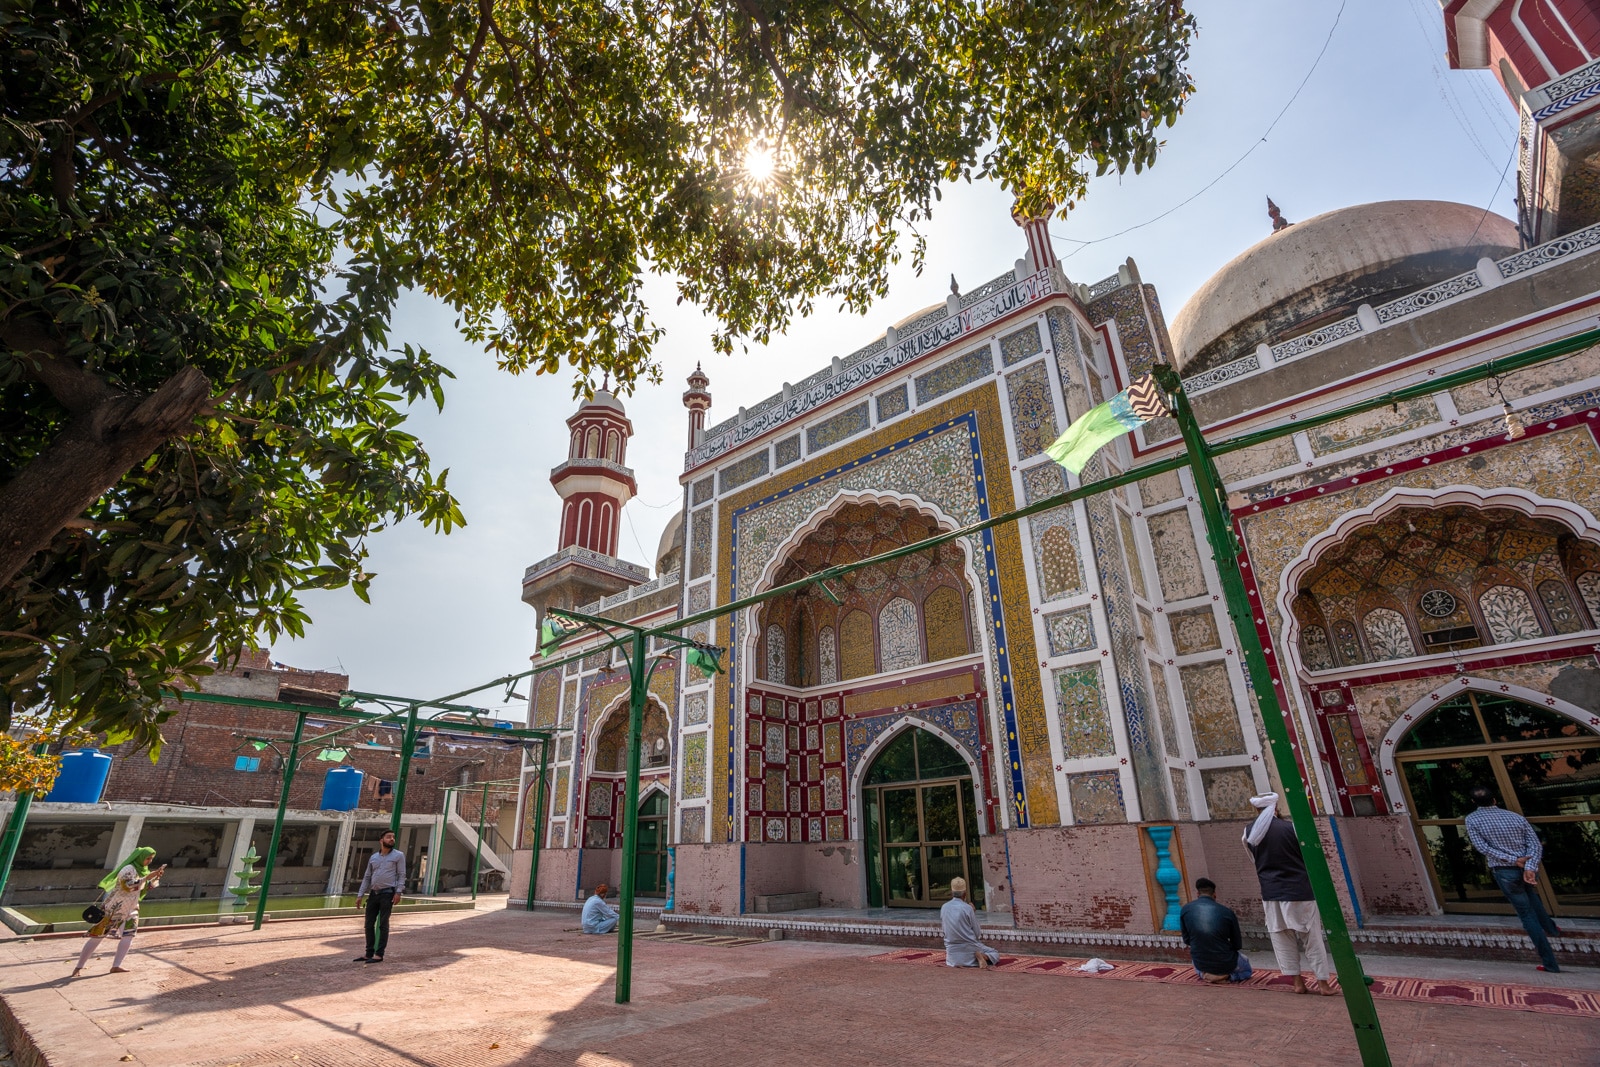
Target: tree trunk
101,444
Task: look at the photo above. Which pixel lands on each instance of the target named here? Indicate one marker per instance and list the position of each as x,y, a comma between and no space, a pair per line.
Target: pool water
207,908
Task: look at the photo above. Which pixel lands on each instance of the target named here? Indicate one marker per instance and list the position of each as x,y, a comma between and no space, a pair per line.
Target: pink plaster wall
599,865
558,874
996,879
832,870
517,883
1387,866
1080,877
706,881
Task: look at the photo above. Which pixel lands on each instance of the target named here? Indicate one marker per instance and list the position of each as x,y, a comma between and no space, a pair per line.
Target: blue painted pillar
1167,874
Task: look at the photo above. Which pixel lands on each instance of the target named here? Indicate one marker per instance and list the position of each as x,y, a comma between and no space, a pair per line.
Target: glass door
920,835
650,854
1541,765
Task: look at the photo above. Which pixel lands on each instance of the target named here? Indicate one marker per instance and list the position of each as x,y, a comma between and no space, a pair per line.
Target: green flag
699,657
550,636
258,745
1133,407
332,755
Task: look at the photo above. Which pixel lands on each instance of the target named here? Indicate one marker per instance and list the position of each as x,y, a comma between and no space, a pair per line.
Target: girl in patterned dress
126,885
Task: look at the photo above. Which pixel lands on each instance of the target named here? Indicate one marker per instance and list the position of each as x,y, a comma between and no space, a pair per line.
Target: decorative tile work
814,796
694,766
1506,609
755,828
599,799
1147,626
1163,699
569,701
894,402
814,829
832,746
1558,605
1096,797
1033,411
1055,552
944,622
835,827
1346,750
776,748
855,633
699,598
756,764
777,783
933,457
1180,794
1020,344
1177,558
899,637
1315,652
787,451
1214,721
1126,307
1131,548
776,829
1370,426
700,543
546,700
1043,480
840,427
1160,489
833,788
1388,637
692,826
1085,723
776,666
1069,631
1228,792
694,709
744,471
700,492
558,795
564,750
976,364
827,656
1194,631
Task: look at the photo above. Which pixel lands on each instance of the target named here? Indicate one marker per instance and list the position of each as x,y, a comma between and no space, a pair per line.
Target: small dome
915,315
1322,269
669,553
603,399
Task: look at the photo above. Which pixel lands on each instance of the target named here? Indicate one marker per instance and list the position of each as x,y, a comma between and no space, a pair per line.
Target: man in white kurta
960,921
1287,902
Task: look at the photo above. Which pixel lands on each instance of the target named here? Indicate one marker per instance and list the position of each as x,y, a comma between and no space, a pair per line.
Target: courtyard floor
495,987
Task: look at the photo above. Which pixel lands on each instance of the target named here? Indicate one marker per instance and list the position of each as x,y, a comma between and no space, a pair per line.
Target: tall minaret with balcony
698,400
595,483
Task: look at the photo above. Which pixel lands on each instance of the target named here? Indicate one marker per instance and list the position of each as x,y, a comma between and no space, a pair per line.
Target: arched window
1058,563
1509,613
827,656
899,639
1558,606
592,443
585,531
777,658
612,440
1589,589
944,622
1314,649
604,544
575,449
1387,634
1349,644
855,637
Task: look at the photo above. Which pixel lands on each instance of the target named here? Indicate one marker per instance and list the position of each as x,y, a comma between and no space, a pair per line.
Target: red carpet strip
1422,990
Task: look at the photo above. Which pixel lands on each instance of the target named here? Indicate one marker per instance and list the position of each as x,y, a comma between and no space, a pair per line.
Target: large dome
1325,267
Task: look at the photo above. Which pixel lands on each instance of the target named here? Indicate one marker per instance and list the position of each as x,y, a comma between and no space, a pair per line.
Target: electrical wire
1232,166
1500,185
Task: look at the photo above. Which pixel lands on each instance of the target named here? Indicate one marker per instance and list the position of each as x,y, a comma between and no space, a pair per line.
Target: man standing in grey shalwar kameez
961,945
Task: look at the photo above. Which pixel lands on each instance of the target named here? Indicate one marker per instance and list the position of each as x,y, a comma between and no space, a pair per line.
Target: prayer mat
1581,1002
711,940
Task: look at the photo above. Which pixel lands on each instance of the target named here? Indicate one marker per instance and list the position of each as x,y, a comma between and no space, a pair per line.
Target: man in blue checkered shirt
1513,850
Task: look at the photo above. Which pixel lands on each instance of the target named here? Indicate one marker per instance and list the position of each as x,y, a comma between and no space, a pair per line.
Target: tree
209,207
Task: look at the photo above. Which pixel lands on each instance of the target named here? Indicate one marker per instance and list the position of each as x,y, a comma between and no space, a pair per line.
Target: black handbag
93,914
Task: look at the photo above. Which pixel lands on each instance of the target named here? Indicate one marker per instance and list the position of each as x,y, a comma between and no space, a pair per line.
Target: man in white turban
960,921
1293,922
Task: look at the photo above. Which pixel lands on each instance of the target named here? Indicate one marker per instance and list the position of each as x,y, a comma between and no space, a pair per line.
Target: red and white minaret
698,400
595,481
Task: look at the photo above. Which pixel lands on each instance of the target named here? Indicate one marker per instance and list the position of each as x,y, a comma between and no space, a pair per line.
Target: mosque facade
1025,705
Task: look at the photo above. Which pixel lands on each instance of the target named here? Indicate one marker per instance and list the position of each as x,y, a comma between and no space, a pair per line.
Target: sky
1380,117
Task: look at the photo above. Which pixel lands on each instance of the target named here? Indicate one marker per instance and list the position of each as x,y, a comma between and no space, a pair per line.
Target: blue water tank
341,789
82,779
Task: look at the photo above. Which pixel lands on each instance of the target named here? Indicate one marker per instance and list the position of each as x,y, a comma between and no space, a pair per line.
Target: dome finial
1276,215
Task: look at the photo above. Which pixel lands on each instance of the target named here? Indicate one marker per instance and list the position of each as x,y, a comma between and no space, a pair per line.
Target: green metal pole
639,676
277,823
477,853
538,823
1224,548
12,838
408,738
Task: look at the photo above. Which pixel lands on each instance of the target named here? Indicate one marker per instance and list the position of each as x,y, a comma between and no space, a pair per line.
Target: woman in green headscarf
125,886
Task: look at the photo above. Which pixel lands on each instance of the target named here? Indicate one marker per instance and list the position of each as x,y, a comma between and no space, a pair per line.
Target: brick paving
493,988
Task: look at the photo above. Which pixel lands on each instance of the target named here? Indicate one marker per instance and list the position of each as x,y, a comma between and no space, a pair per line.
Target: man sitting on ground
598,916
1211,931
961,945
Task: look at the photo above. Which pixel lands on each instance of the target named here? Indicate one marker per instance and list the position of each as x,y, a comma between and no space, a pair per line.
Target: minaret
698,401
1041,253
595,483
